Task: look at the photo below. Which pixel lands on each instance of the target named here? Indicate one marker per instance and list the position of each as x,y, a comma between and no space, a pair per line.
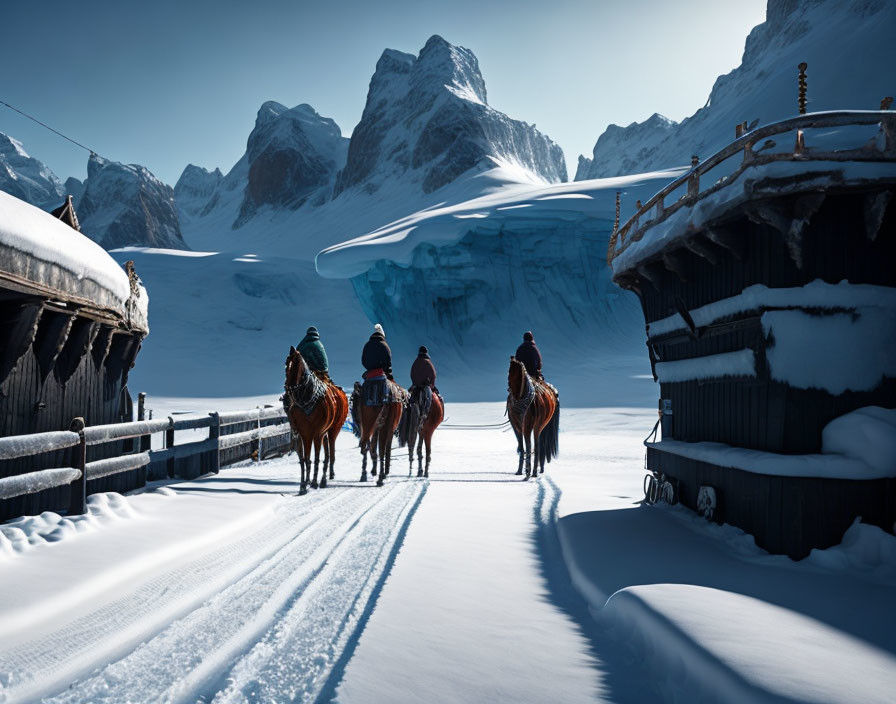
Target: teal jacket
313,351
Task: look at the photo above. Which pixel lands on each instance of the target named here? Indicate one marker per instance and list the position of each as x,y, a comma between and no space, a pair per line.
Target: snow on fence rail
80,437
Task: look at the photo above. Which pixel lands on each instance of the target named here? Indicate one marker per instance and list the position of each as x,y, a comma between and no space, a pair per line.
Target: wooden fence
232,436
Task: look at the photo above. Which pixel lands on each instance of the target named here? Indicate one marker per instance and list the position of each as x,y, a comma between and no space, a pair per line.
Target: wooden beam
875,209
726,239
676,262
704,248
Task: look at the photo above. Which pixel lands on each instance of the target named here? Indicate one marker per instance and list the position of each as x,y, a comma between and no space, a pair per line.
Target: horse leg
306,465
326,444
519,451
364,444
381,440
419,455
428,439
528,454
536,444
316,462
331,439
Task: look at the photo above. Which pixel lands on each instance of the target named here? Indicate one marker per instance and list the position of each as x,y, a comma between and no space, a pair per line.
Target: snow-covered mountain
125,205
195,187
427,117
427,136
27,178
848,45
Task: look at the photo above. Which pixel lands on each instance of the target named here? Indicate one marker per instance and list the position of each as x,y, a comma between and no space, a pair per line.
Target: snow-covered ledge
713,366
858,445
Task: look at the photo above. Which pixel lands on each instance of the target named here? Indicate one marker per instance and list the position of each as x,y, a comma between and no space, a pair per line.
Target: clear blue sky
165,83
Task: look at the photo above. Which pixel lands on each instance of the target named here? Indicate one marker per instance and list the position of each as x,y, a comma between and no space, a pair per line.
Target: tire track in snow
46,663
197,650
303,658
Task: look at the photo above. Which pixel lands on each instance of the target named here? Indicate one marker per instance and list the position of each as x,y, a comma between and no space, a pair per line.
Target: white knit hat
379,328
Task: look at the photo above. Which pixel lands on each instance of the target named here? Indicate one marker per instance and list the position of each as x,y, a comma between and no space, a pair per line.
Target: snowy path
225,617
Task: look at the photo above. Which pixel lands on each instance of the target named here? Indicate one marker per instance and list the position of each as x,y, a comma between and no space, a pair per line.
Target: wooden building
767,278
71,324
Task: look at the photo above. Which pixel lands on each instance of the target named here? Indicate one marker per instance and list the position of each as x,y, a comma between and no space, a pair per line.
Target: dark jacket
376,354
313,351
423,372
529,355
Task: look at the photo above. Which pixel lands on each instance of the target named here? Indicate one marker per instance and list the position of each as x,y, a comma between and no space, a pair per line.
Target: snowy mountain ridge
25,177
124,205
426,136
840,40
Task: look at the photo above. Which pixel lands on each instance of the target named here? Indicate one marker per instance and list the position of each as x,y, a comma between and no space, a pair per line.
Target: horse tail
549,440
355,407
410,421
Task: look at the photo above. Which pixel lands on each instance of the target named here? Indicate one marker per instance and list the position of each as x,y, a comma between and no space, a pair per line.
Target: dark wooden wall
789,515
73,366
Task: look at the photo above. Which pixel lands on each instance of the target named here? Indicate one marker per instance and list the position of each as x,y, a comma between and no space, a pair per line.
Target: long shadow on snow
328,691
628,677
621,681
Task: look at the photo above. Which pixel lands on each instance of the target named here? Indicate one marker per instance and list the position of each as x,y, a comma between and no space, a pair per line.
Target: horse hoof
323,483
519,472
380,482
426,474
314,485
332,475
419,472
363,478
303,491
373,472
526,478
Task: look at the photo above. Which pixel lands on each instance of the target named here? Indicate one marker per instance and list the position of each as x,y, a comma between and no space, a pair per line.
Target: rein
306,393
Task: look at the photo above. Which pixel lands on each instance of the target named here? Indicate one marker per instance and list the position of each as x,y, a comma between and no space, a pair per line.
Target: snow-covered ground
456,588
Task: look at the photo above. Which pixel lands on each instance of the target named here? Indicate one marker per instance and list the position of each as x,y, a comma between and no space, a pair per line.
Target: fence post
214,433
259,435
169,443
145,440
78,488
694,180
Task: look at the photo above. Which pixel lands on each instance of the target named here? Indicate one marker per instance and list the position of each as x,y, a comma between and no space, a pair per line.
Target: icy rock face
195,187
583,169
847,45
74,188
291,154
623,150
466,299
427,118
27,178
125,205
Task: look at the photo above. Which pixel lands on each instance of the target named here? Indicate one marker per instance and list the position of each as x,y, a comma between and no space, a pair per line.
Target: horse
375,426
418,425
534,411
341,401
311,408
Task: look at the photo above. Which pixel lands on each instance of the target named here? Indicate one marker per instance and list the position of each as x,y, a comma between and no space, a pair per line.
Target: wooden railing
165,462
633,230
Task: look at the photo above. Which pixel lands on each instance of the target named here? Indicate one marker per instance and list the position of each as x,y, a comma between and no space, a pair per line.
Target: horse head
516,377
295,366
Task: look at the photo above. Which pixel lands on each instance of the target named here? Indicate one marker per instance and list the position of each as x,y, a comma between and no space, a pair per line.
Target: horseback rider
376,354
529,355
423,372
312,349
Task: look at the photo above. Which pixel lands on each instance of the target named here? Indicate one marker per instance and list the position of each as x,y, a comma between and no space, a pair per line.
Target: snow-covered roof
813,175
40,252
524,205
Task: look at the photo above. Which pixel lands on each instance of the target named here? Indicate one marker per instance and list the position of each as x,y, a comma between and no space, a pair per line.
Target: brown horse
534,411
417,429
311,409
375,426
341,401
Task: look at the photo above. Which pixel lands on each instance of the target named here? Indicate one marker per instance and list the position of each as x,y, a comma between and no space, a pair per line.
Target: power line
47,126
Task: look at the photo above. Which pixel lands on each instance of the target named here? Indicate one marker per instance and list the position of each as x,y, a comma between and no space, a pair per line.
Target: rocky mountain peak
25,177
